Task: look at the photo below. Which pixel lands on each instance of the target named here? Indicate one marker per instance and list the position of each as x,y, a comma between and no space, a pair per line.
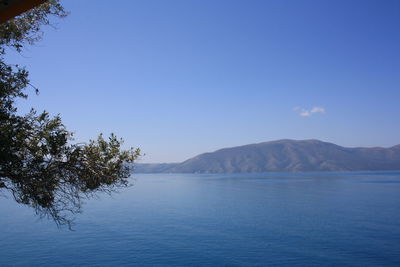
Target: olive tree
39,163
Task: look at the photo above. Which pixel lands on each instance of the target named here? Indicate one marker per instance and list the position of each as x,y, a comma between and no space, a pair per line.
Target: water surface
330,219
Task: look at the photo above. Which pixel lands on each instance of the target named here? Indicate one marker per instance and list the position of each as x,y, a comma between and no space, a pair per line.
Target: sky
181,77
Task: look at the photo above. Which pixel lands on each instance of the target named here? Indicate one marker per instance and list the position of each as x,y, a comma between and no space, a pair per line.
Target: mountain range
284,156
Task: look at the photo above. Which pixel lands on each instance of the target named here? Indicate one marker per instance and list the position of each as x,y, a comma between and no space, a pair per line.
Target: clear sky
178,78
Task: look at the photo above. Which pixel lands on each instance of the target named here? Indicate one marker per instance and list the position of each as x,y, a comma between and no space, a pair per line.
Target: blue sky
178,78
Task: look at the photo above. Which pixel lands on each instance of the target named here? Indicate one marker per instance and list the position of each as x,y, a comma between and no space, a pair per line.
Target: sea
309,219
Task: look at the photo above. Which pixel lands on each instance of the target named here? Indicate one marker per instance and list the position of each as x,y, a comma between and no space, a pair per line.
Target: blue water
336,219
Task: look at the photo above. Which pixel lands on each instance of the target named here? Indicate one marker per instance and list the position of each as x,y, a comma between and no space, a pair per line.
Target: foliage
39,164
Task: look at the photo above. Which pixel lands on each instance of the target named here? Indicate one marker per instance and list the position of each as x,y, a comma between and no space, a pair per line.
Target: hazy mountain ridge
284,156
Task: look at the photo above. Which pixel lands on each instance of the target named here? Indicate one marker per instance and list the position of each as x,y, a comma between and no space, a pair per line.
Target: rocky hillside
284,156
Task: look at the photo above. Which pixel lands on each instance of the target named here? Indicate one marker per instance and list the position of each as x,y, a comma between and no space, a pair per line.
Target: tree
39,164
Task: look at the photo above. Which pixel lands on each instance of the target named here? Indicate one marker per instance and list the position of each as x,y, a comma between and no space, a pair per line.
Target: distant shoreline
284,156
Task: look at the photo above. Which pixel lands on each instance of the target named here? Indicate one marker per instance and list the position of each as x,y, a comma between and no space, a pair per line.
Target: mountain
284,156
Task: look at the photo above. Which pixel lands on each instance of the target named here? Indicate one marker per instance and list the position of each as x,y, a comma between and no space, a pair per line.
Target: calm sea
335,219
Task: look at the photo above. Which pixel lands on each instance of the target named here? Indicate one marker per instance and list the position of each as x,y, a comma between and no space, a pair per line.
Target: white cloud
308,112
305,113
317,109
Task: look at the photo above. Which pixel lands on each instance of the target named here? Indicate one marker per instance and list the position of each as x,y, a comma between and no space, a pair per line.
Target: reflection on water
57,199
